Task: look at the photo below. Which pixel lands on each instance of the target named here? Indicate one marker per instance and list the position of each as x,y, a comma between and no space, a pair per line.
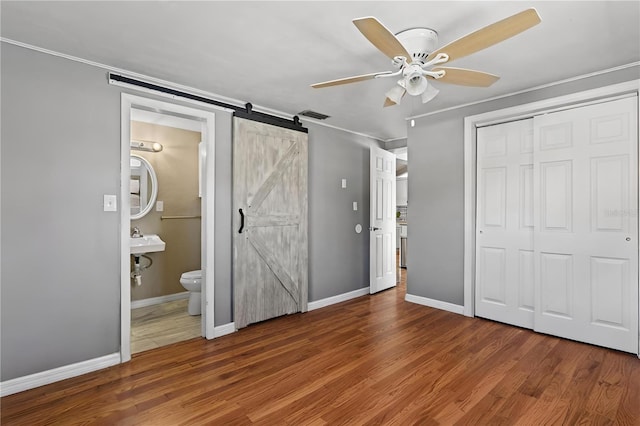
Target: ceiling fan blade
381,37
464,77
348,80
489,35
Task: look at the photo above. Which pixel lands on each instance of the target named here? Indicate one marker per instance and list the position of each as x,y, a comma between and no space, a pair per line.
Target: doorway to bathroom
167,220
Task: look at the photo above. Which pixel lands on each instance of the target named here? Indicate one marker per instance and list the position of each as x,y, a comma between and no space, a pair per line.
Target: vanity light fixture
150,146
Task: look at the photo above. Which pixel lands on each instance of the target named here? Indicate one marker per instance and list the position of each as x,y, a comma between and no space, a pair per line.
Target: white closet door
504,223
586,220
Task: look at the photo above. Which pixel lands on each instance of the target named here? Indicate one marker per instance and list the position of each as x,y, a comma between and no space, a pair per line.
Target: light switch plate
159,206
110,203
344,183
355,206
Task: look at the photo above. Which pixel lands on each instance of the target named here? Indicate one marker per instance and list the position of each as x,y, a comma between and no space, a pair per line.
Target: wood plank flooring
372,360
160,325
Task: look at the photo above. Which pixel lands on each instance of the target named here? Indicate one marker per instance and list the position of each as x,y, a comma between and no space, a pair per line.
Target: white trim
353,132
168,95
31,381
228,100
128,102
166,83
322,303
432,303
570,105
223,330
531,89
503,115
158,300
125,224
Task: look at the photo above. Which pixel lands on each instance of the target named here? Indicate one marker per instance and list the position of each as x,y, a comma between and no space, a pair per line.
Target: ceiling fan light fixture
430,93
396,93
416,84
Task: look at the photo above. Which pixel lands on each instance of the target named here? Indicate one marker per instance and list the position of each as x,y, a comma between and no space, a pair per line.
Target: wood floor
372,360
160,325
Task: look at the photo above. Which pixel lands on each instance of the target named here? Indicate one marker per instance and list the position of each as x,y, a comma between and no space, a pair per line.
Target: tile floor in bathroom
160,325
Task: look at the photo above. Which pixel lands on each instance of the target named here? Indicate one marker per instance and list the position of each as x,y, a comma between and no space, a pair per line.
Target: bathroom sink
146,244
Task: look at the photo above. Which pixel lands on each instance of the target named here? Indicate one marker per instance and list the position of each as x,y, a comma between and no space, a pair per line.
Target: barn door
270,221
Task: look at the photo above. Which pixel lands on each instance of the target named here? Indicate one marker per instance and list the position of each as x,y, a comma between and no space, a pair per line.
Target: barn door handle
241,221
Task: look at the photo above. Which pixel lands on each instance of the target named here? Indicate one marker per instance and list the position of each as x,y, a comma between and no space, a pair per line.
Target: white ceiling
268,53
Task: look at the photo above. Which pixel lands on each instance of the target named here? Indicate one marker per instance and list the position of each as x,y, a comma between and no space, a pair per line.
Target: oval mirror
143,187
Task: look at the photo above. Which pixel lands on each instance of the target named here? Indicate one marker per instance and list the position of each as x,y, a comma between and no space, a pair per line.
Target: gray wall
338,257
436,213
60,281
60,251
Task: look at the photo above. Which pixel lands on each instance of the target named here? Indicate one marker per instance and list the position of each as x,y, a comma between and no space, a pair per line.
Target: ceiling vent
313,114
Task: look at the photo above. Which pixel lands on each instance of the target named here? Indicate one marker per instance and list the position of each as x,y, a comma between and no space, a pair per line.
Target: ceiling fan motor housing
419,42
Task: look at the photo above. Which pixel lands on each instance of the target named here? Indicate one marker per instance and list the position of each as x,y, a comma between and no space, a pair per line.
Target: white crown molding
176,86
531,89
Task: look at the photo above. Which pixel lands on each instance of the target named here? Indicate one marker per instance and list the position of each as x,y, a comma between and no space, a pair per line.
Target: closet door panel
586,239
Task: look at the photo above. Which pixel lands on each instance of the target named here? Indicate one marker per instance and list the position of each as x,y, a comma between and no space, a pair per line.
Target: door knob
373,228
628,238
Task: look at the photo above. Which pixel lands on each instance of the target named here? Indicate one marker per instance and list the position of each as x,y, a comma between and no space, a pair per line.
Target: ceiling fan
413,53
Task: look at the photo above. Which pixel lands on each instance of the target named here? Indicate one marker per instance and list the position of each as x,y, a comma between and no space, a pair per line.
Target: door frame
471,123
128,102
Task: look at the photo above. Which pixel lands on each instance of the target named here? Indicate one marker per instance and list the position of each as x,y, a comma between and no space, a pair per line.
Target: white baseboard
31,381
337,299
158,300
223,330
432,303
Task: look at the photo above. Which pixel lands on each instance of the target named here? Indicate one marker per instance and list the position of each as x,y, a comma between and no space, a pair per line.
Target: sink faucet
135,232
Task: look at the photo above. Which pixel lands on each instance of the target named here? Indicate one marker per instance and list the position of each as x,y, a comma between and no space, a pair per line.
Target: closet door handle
241,221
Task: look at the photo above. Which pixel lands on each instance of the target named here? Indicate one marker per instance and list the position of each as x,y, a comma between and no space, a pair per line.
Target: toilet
192,281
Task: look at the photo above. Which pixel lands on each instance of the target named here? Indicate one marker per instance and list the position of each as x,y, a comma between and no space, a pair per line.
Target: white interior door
504,223
382,259
586,219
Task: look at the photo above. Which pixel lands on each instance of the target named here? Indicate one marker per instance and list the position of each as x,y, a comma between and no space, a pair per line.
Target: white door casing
382,222
504,228
128,102
586,240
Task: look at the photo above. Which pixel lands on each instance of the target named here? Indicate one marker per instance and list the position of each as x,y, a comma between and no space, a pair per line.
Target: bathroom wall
176,167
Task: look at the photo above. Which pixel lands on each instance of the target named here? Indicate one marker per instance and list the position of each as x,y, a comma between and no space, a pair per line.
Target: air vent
313,114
